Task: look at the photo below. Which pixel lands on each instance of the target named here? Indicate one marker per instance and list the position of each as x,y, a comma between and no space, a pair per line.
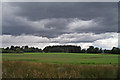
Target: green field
63,58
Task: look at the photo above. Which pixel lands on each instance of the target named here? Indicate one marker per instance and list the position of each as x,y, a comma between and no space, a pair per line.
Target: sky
40,24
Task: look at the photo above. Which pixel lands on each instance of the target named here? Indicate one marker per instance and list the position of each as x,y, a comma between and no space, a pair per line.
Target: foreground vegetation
21,69
59,65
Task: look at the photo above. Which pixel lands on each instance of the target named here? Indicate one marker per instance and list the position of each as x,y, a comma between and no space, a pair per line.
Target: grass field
60,65
61,58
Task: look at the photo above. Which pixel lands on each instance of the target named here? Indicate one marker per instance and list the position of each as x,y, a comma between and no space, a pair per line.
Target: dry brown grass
21,69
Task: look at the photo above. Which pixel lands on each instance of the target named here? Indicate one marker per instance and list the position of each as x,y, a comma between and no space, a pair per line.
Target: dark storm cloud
37,11
59,18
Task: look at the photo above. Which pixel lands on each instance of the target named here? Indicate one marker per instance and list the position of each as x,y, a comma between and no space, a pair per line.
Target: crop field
59,65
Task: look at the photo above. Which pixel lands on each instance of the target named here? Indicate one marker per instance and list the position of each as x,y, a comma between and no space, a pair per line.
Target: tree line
60,48
18,49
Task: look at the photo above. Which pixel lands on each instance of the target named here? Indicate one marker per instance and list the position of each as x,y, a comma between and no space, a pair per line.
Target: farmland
59,65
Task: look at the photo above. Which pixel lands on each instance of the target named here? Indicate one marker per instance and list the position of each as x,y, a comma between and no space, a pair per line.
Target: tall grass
21,69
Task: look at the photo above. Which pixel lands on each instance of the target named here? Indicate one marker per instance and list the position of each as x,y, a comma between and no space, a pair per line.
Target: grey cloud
29,18
64,38
107,40
83,37
87,10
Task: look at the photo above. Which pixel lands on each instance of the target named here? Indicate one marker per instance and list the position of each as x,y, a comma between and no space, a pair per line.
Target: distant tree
115,50
26,47
83,51
7,48
12,48
18,50
107,51
63,48
96,50
90,49
101,51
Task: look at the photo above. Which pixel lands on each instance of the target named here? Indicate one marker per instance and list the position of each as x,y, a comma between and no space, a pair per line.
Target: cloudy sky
40,24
